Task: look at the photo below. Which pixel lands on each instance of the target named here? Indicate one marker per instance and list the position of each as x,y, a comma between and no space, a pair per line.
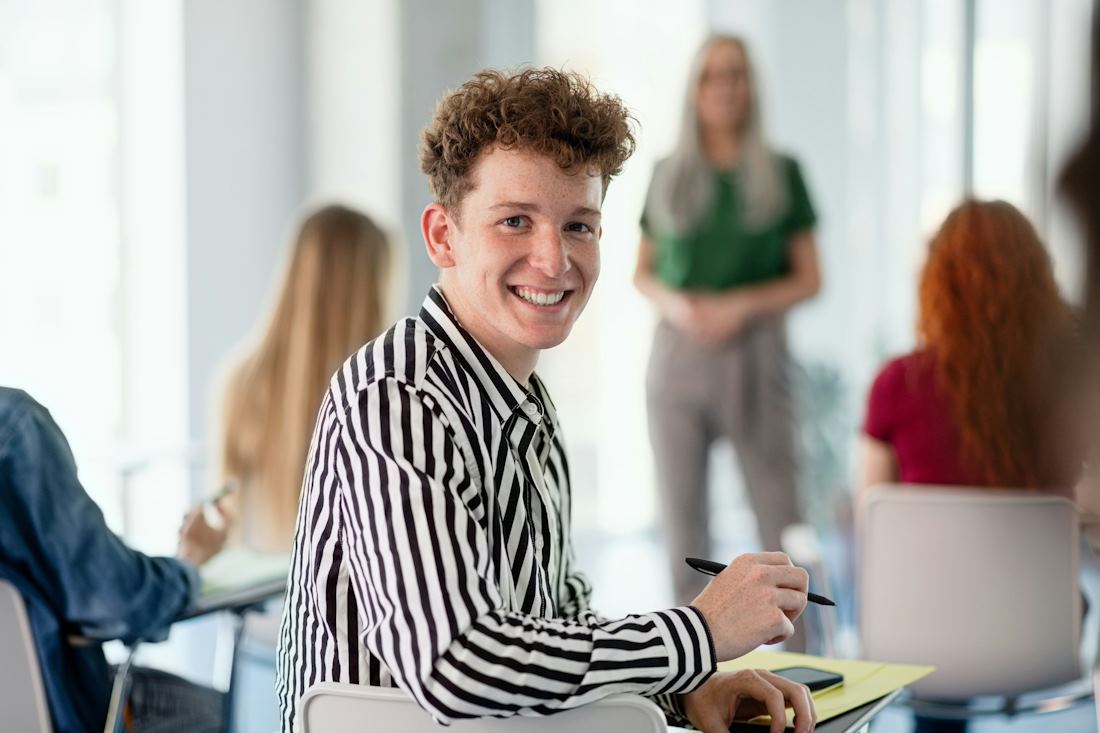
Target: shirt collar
506,395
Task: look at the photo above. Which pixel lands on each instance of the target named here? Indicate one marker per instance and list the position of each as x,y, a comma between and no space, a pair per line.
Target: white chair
982,584
339,708
22,698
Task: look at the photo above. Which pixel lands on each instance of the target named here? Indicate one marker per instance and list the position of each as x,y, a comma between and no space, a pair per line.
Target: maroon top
907,411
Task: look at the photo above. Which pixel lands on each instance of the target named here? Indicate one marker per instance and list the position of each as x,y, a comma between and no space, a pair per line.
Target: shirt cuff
673,708
194,583
691,655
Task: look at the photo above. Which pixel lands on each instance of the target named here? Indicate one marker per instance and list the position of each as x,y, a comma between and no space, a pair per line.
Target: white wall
375,71
442,45
352,113
1066,89
154,458
245,175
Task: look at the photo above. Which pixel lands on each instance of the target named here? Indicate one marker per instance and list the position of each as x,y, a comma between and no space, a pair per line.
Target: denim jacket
73,572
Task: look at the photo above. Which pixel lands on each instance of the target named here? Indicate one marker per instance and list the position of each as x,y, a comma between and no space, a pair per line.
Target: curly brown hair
556,113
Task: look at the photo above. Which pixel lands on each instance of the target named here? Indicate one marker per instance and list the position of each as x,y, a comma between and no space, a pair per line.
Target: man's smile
543,298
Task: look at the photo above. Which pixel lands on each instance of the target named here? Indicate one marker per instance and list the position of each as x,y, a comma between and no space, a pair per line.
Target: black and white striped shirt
433,552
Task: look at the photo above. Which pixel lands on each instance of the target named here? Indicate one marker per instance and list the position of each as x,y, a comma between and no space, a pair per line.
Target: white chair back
339,708
981,584
22,699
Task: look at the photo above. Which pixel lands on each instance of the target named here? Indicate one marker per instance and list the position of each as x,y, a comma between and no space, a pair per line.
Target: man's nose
550,255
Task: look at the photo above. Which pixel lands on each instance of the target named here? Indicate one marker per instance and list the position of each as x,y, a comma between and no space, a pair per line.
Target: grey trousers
697,394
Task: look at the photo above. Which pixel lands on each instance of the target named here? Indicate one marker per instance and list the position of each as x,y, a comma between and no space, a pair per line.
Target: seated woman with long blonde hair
331,301
977,404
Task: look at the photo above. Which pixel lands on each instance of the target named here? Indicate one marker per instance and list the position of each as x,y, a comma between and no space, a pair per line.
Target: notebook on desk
239,577
864,683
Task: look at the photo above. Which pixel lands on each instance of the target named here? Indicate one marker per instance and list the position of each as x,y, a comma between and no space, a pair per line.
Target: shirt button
539,544
532,411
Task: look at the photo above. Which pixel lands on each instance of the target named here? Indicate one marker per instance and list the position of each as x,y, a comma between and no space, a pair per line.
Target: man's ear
438,227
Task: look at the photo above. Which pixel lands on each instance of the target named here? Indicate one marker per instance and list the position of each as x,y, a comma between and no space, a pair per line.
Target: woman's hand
678,308
199,540
742,695
717,318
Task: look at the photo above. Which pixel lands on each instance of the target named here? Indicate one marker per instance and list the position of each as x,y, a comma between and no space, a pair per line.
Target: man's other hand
742,695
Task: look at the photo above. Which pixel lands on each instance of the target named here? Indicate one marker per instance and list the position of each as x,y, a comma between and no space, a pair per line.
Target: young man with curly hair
433,549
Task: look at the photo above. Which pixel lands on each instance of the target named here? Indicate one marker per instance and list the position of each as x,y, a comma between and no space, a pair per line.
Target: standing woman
331,301
727,249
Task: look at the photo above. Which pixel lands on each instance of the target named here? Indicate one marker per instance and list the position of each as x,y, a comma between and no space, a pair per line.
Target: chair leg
1096,693
120,691
229,707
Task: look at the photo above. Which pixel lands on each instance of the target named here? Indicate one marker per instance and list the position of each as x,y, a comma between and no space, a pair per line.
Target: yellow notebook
863,681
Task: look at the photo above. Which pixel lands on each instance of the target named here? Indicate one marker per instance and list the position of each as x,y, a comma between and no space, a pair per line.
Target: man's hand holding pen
752,602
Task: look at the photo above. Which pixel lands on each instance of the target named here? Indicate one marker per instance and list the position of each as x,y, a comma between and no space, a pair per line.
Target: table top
237,579
236,599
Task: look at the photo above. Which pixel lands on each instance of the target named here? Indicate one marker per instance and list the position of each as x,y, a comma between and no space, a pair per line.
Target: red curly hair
996,327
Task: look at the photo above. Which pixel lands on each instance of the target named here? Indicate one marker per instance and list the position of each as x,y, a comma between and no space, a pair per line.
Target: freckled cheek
590,267
500,258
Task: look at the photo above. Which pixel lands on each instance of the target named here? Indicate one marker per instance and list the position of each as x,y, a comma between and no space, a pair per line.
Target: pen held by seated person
211,510
713,568
229,487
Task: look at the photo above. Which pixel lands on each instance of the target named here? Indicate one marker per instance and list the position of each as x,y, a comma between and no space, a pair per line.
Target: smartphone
818,680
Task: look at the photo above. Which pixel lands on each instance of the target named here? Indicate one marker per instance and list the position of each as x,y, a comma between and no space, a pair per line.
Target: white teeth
539,298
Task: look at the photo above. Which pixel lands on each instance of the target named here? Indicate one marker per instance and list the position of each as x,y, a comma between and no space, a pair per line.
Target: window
92,309
59,199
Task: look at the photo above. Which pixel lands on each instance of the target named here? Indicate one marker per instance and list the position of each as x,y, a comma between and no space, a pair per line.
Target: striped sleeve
576,594
576,603
419,555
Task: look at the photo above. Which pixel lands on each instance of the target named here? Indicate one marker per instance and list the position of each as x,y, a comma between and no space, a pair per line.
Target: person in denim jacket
76,576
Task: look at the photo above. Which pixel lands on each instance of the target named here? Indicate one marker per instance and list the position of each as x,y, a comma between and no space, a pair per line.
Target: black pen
713,568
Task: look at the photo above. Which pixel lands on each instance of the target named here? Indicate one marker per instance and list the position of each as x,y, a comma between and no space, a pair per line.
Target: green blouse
723,252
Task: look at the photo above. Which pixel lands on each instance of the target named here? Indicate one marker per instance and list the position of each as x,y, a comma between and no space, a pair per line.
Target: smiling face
520,260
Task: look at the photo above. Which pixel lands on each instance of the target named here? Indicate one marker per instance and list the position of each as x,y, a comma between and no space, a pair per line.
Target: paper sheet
237,567
863,681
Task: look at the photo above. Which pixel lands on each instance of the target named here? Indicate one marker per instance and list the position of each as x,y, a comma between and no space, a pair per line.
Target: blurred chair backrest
982,584
340,708
22,698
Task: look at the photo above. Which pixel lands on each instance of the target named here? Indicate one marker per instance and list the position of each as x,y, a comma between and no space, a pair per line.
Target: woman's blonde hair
683,183
331,301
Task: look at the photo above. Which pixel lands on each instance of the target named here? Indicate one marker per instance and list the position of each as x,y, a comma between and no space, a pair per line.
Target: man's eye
513,221
579,226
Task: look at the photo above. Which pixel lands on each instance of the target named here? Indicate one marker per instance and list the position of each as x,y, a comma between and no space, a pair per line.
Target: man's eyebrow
521,205
526,206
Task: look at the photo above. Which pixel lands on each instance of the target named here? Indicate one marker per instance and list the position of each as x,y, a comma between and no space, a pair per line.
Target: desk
236,600
236,582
